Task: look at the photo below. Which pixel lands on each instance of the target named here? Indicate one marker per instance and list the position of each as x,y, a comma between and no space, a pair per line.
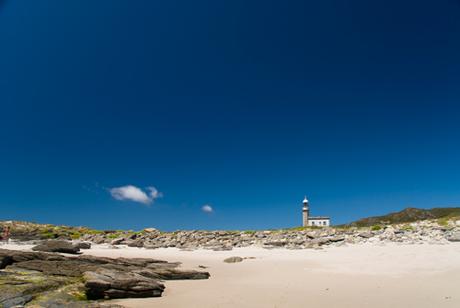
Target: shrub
75,236
376,228
48,235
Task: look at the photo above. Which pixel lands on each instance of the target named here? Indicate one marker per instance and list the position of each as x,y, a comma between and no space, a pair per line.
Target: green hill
408,215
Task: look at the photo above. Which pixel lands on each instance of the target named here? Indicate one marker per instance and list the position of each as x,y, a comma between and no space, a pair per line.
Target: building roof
305,200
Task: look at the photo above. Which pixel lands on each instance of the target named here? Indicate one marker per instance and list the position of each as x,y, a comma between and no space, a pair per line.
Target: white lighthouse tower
313,221
305,211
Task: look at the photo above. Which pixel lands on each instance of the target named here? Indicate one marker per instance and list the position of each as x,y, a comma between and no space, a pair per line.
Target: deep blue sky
243,105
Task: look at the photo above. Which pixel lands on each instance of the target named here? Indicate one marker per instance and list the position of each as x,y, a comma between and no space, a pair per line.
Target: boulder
82,245
57,246
233,260
337,238
276,243
365,234
136,243
117,241
109,284
454,237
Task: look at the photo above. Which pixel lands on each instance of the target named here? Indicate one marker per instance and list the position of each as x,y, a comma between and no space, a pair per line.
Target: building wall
319,222
305,217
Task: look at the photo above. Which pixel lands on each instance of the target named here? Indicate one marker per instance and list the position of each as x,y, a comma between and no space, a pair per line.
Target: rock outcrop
26,275
442,230
104,283
427,231
58,246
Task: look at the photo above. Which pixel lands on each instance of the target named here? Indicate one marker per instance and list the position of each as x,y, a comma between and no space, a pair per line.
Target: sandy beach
352,276
367,275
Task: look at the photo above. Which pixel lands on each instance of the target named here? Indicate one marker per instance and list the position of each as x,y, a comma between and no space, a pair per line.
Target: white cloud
133,193
154,193
207,208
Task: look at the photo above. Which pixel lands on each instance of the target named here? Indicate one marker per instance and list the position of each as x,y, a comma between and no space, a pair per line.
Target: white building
313,221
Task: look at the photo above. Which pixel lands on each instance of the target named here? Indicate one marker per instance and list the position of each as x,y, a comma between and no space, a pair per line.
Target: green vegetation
408,215
407,228
443,222
46,234
298,229
27,231
79,295
113,236
76,235
376,228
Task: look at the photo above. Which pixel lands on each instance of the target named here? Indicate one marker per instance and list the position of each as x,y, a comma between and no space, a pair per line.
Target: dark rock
110,284
82,245
69,268
105,277
5,261
98,239
136,243
335,239
320,241
17,289
365,234
276,243
222,248
57,246
174,274
233,260
117,241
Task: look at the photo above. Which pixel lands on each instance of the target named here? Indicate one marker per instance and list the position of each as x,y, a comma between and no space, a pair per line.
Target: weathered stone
57,246
335,239
135,243
233,260
107,277
17,289
454,237
117,241
110,284
82,245
365,234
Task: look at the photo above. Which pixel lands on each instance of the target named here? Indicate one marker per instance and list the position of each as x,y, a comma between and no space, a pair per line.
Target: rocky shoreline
432,232
426,231
40,279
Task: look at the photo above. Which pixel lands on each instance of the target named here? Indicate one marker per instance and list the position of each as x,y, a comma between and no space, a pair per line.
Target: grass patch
75,235
79,295
443,222
407,228
48,235
376,228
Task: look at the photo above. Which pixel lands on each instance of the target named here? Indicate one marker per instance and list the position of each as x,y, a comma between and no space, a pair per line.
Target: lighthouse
313,221
305,211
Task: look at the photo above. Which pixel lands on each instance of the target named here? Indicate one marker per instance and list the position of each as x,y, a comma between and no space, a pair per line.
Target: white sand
352,276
